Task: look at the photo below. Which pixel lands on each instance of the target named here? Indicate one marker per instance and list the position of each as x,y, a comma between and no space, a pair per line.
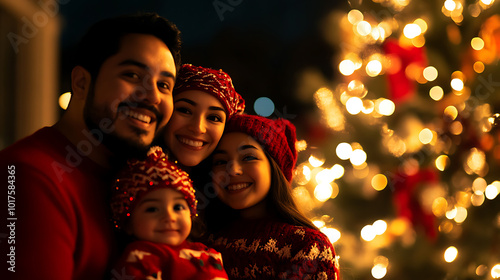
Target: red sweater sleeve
60,228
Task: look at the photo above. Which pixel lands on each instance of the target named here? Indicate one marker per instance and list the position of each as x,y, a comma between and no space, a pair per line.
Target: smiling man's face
132,93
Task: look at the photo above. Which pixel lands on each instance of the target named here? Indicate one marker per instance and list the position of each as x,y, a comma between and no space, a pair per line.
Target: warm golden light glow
379,271
347,67
356,88
456,128
412,30
354,105
344,150
457,84
379,182
64,100
439,207
330,109
316,161
492,190
385,107
430,73
450,5
363,28
477,43
442,162
373,68
478,67
436,93
332,234
358,157
450,254
368,233
380,226
323,192
354,16
425,136
461,215
451,112
495,271
338,171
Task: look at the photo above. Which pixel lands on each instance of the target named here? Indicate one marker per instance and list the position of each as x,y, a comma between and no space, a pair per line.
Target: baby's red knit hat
214,82
277,137
142,176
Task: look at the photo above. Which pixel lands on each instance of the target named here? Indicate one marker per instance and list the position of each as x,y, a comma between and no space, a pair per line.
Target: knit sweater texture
265,249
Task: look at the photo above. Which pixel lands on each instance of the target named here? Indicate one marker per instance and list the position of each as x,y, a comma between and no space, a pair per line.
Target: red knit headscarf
142,176
214,82
277,137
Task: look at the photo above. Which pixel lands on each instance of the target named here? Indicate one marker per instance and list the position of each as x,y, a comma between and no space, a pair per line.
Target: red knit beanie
214,82
142,176
277,137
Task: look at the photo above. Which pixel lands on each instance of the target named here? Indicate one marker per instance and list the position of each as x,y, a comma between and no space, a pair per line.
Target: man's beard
121,147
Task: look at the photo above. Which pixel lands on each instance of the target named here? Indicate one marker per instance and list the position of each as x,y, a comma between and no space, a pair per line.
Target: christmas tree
403,171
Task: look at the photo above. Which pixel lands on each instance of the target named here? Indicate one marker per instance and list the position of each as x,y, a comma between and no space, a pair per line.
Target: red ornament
401,87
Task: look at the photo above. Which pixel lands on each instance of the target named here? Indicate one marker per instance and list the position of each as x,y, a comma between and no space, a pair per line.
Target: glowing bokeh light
492,190
457,84
412,30
380,226
363,28
64,100
344,150
442,162
451,112
385,107
316,161
354,105
430,73
332,234
338,171
354,16
436,93
323,192
425,136
379,182
450,5
478,67
373,68
347,67
368,233
358,157
495,271
450,254
477,43
379,271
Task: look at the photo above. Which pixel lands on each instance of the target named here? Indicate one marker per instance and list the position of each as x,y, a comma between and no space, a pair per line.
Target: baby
154,201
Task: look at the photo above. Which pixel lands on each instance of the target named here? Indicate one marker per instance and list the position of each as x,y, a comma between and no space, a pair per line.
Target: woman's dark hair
280,198
103,39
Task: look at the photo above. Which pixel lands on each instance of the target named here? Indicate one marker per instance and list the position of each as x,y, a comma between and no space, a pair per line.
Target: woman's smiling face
196,126
242,172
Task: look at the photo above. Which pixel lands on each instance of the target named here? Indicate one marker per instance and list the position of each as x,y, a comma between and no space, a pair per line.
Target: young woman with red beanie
254,221
204,99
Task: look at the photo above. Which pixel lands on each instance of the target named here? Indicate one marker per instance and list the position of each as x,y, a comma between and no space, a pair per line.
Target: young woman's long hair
281,200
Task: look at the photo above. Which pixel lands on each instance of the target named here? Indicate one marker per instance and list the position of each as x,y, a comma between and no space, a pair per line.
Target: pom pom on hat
214,82
277,137
142,176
